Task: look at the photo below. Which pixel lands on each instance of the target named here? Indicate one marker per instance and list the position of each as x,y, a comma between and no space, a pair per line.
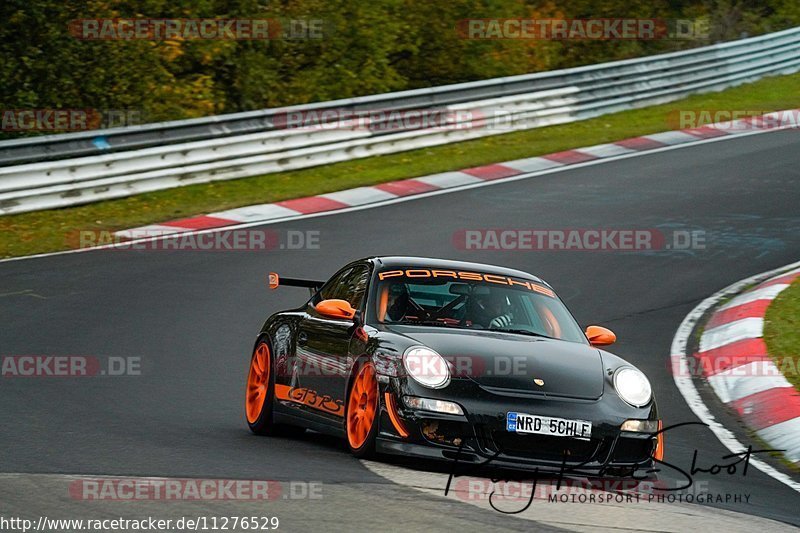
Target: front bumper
480,438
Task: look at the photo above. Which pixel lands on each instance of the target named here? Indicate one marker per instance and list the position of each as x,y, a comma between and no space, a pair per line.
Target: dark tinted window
349,284
328,290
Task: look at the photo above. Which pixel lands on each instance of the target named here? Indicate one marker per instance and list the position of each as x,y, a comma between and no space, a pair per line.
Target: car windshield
516,306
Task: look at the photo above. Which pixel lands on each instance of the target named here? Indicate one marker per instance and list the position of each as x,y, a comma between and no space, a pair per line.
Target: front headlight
632,386
426,367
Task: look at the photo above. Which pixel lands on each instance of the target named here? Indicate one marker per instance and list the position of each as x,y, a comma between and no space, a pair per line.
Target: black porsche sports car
438,359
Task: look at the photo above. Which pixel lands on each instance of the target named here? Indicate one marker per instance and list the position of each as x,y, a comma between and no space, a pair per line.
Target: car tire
362,416
260,395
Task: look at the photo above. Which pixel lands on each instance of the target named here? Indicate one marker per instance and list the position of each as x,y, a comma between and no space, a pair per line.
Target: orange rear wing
276,281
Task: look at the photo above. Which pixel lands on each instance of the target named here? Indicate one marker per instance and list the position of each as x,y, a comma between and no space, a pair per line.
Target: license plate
548,425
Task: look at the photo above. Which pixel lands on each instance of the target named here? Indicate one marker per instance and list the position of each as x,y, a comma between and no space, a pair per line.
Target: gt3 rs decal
417,273
310,398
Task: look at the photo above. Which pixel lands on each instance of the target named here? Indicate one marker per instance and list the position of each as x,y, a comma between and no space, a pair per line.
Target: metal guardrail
171,154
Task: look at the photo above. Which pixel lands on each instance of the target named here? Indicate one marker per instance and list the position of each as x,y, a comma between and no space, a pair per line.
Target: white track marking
532,164
764,293
742,381
606,150
784,437
671,137
149,231
738,330
359,196
257,212
448,180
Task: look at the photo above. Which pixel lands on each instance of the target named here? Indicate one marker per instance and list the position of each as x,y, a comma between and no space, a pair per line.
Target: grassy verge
45,231
782,332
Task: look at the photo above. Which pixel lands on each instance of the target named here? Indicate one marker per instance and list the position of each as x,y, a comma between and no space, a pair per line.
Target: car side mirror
335,308
358,318
599,336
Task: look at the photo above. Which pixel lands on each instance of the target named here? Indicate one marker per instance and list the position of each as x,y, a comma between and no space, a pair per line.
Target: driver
398,304
493,311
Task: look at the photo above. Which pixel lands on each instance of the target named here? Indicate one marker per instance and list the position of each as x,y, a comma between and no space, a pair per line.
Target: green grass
45,231
782,332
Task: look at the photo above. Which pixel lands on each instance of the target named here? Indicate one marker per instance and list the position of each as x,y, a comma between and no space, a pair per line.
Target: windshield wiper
426,323
521,332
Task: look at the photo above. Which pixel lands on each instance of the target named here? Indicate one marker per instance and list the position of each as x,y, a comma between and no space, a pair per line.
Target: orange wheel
257,383
362,409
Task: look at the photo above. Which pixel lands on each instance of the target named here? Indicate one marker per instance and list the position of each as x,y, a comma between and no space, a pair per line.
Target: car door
323,344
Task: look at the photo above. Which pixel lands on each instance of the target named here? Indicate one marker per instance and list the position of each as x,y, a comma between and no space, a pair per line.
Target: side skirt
309,421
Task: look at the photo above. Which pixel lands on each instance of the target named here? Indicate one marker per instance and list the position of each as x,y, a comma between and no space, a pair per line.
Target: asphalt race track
191,318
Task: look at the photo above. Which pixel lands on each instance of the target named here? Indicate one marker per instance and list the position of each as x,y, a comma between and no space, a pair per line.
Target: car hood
504,363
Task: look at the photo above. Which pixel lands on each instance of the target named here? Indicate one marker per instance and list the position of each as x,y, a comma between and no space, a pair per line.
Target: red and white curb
735,362
447,180
682,359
